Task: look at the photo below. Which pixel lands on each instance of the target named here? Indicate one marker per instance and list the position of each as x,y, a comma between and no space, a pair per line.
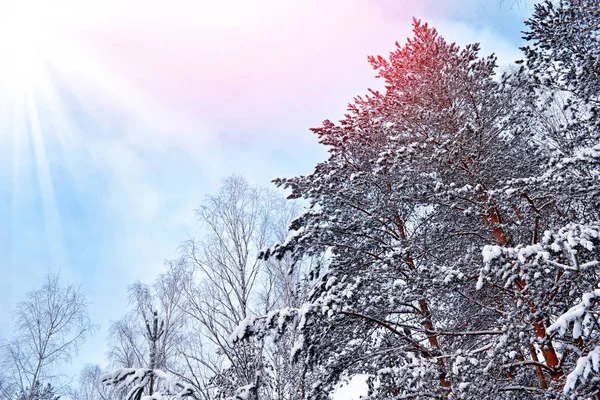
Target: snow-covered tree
216,283
561,266
449,163
564,47
149,383
403,205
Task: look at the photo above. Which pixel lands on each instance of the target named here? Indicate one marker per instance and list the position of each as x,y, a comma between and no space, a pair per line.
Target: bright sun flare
25,37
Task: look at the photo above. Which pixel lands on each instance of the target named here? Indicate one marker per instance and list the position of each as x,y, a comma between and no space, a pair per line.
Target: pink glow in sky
276,61
240,63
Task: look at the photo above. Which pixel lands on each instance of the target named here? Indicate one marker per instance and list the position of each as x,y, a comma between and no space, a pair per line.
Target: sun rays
32,113
78,77
56,95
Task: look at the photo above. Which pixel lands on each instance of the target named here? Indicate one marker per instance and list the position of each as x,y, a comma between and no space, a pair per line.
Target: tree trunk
492,218
445,383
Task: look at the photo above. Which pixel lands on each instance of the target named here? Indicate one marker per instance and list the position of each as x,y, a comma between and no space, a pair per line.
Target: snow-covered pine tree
404,205
561,264
138,380
564,47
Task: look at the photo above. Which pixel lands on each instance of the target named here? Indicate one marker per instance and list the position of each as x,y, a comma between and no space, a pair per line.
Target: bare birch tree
235,224
129,335
49,326
92,388
146,341
229,283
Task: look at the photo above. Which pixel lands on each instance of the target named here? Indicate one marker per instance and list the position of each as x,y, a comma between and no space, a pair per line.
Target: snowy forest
447,248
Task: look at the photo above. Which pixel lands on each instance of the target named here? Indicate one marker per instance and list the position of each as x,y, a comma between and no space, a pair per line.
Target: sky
117,117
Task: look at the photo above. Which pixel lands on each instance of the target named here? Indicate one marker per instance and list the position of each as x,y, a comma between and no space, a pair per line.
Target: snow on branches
562,250
137,380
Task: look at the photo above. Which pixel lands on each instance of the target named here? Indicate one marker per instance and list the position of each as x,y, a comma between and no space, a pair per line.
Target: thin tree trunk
427,321
492,218
538,369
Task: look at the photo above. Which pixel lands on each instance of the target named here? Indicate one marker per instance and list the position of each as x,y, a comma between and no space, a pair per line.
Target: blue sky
100,182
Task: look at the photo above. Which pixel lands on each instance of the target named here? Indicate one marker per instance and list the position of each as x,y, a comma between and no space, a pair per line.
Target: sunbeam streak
50,209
